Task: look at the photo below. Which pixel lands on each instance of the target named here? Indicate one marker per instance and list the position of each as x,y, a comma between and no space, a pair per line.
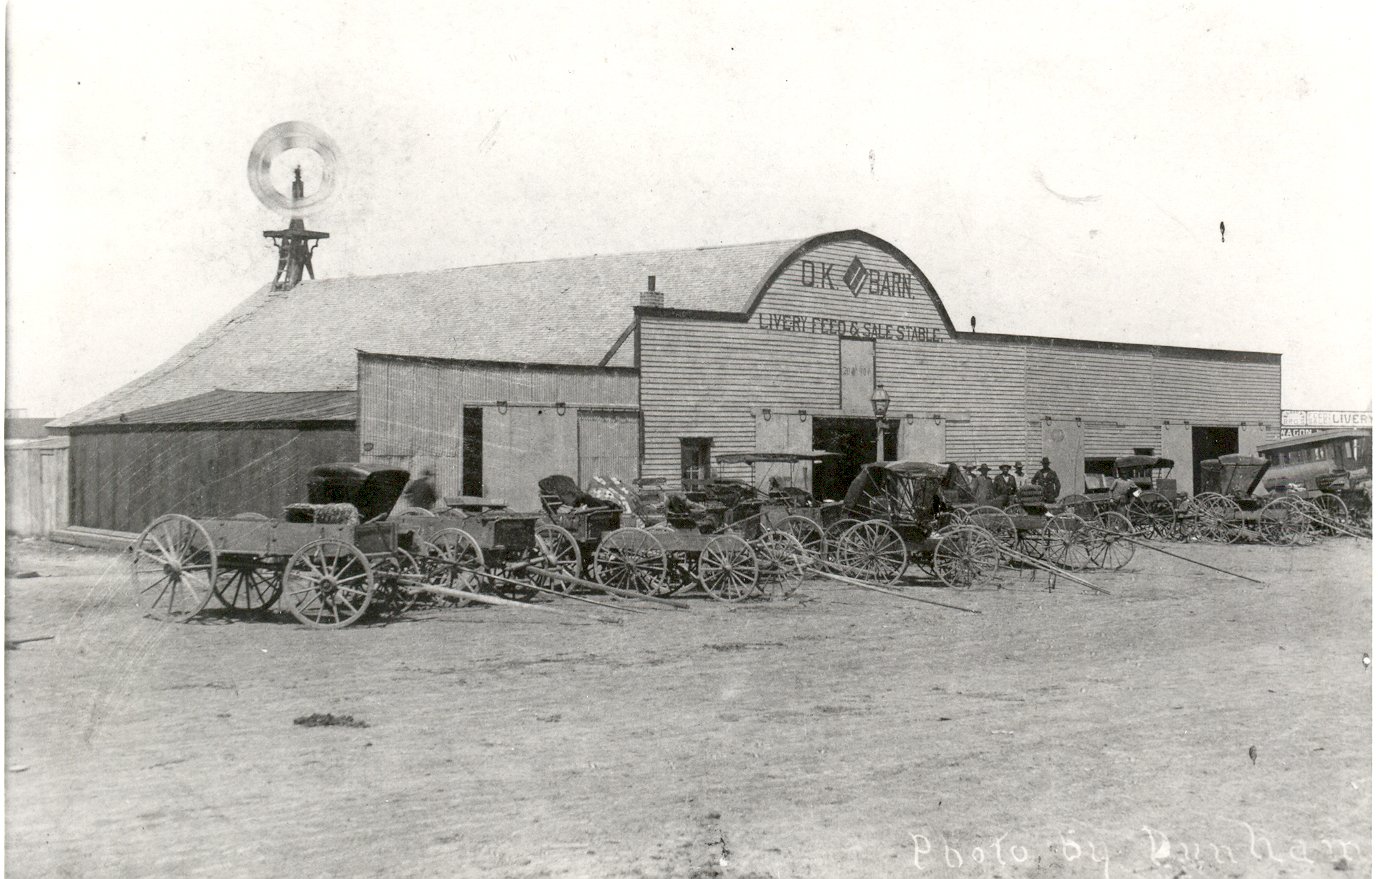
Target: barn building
654,364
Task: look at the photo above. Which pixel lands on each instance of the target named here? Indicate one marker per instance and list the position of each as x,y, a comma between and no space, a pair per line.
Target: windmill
294,143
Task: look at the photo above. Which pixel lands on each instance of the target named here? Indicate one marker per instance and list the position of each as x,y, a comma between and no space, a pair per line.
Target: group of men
1002,489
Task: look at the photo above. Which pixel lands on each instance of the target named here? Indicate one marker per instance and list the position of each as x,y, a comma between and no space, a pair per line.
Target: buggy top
905,491
1140,468
373,489
1233,474
751,459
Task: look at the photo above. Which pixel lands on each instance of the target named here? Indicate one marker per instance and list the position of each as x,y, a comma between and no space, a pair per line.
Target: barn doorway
854,442
1210,442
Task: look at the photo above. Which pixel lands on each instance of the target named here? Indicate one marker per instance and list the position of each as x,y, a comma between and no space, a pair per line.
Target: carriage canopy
372,489
1233,475
1143,462
903,492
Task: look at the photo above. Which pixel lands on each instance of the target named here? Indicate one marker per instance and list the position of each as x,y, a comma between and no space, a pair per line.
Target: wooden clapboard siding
1199,388
414,405
711,375
124,479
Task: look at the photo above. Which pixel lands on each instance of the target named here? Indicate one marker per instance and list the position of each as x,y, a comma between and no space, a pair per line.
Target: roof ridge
552,259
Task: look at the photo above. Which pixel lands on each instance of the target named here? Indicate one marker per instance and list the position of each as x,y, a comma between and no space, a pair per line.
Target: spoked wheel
809,534
833,533
783,560
415,511
1311,526
328,584
1066,541
1107,545
965,555
995,522
872,551
247,587
1149,513
452,559
728,569
397,578
631,559
557,551
1333,512
1218,517
173,568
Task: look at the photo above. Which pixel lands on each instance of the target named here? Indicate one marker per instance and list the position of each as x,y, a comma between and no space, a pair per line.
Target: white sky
1054,168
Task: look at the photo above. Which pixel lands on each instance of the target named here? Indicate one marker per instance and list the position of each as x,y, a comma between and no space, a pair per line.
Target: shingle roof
223,406
567,311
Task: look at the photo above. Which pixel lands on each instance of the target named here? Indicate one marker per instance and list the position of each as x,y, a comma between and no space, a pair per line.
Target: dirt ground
840,733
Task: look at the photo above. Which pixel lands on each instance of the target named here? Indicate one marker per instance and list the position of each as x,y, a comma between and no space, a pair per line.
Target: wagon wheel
1066,542
809,534
1312,521
452,559
632,559
1218,517
995,522
248,587
173,568
873,551
965,555
556,550
1109,549
728,569
833,533
1148,512
957,516
783,560
1282,522
397,578
1079,505
415,511
1333,512
328,584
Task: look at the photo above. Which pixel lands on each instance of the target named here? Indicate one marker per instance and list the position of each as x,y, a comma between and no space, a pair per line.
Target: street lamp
880,402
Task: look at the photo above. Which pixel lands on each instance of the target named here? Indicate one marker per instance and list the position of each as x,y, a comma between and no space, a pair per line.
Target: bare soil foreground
839,733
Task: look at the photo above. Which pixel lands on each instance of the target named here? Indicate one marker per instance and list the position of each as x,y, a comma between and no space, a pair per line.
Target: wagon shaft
589,584
864,585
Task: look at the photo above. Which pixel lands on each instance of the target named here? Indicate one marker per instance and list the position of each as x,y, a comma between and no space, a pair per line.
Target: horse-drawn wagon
1229,511
331,560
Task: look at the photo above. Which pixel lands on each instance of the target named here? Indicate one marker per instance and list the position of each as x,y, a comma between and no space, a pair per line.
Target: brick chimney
650,297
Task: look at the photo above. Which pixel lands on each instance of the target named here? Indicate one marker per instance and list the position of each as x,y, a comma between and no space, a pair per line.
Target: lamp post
880,402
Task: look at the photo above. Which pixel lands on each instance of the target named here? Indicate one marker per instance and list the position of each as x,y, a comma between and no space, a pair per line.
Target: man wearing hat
967,492
981,486
1005,487
1020,478
1047,480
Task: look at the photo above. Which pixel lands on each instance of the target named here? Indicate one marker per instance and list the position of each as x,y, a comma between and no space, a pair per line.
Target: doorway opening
853,440
472,450
1210,442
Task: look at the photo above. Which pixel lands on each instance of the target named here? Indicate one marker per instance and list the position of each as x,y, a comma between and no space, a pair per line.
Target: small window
695,459
1142,450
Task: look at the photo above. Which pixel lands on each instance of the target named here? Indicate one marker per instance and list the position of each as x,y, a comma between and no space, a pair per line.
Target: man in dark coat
1005,487
1046,479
